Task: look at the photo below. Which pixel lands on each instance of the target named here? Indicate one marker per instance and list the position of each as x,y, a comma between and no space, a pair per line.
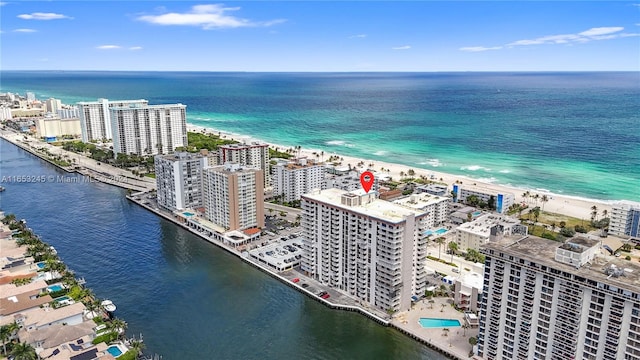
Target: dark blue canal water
188,298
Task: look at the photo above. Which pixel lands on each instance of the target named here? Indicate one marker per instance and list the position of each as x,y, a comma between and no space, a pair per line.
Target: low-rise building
489,227
54,128
501,201
625,219
468,291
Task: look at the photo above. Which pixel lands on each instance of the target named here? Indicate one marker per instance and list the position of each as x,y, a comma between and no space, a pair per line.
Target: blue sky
320,36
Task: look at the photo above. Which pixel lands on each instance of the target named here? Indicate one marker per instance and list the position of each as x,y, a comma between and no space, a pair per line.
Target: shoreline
574,206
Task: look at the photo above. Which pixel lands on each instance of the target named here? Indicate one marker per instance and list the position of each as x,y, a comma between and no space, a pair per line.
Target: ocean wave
381,153
474,168
505,171
339,143
489,180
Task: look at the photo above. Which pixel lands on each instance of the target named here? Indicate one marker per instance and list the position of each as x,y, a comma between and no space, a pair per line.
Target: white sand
566,205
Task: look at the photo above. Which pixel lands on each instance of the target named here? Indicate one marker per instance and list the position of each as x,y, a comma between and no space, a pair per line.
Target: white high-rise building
53,105
295,178
95,118
473,235
149,129
548,300
179,180
233,196
70,112
255,155
625,219
369,248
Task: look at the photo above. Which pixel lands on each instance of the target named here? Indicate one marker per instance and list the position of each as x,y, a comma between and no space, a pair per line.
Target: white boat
108,305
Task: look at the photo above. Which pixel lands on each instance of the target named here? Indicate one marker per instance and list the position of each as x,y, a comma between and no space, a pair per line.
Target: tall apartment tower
233,196
296,178
625,219
548,300
254,155
179,180
95,118
148,129
372,249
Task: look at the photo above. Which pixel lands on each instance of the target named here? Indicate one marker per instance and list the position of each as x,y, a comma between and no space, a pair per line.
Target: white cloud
479,48
597,33
601,31
405,47
212,16
43,16
3,3
358,36
135,48
108,47
25,30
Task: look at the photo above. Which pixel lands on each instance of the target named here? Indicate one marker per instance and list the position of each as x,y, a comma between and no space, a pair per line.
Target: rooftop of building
243,145
180,155
230,168
482,189
20,302
57,334
101,101
301,163
46,315
420,201
380,209
483,224
604,268
626,204
11,289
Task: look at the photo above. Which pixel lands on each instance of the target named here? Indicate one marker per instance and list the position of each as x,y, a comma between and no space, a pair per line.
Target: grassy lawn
151,175
550,218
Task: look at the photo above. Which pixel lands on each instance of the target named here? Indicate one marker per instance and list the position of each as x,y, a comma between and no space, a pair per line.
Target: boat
2,188
108,305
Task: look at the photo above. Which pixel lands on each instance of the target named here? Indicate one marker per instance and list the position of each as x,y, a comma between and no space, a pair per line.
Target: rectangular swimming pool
188,214
438,323
55,287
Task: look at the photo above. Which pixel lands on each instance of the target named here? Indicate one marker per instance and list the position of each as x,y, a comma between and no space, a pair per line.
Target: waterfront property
281,256
233,196
438,323
501,200
179,180
625,219
253,155
369,248
584,302
292,179
148,129
95,118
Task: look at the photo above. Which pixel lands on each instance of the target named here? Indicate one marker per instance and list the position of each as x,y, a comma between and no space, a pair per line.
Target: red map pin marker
366,180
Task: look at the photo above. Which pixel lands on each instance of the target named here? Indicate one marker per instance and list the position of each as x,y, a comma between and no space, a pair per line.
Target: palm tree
431,302
605,213
536,197
544,199
441,240
453,247
118,325
6,332
136,346
445,331
442,307
594,213
465,326
24,351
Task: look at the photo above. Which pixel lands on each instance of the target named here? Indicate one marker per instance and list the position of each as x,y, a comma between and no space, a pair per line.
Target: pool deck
456,340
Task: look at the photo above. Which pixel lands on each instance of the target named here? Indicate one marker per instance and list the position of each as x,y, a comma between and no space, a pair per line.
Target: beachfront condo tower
295,178
149,129
233,196
255,155
625,219
179,180
548,300
94,117
372,249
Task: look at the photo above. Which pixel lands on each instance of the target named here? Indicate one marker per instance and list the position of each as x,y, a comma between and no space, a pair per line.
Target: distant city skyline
321,36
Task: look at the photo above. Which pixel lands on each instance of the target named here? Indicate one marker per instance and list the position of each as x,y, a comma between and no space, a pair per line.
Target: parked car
295,280
322,293
325,296
305,285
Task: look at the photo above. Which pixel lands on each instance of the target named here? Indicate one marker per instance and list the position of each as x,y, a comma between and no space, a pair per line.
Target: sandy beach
566,205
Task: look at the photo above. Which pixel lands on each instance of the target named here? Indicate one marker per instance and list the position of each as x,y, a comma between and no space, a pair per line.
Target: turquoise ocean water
569,133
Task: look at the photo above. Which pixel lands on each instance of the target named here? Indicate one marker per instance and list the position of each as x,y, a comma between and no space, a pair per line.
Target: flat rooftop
543,251
420,201
380,209
483,224
280,255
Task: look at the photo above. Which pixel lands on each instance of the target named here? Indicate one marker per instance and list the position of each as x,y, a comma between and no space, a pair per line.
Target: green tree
544,199
473,341
441,240
136,346
24,351
6,332
453,247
